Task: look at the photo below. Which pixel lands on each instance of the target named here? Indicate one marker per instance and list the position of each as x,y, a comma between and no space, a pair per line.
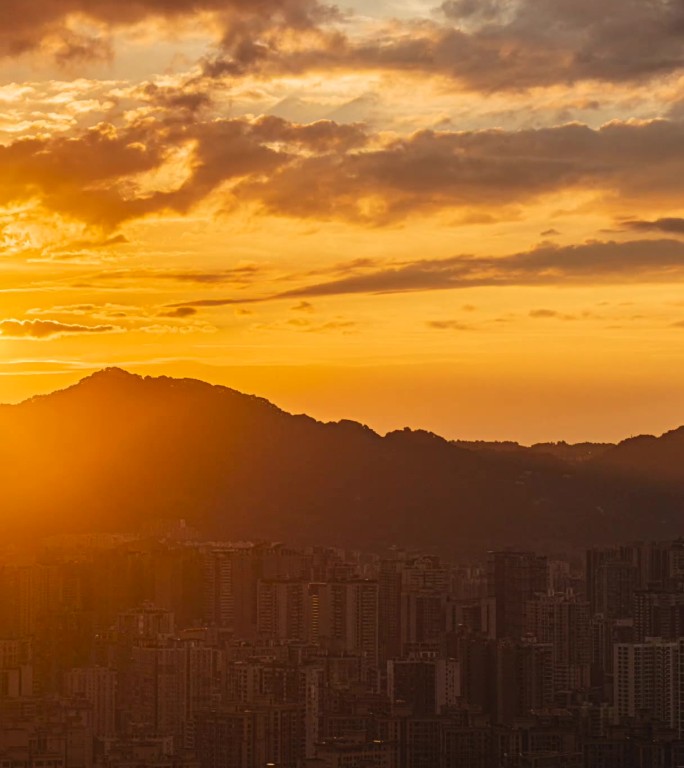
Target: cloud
68,309
162,328
179,312
184,96
334,325
31,25
512,45
491,45
223,302
547,314
321,136
449,325
591,262
483,45
673,226
241,275
303,306
306,325
45,329
570,40
327,171
647,260
431,171
106,311
95,177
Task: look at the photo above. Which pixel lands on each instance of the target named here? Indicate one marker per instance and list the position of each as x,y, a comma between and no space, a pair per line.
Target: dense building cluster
171,652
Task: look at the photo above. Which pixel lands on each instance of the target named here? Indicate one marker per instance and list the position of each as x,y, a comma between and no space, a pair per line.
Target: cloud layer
326,171
27,25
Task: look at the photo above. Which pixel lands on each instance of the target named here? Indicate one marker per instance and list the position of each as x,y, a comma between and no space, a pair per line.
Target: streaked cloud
646,260
45,329
670,225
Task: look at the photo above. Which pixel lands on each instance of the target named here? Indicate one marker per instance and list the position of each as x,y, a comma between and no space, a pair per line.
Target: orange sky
464,217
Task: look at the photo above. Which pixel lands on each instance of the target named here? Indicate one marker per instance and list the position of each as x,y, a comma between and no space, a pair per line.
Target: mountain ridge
117,449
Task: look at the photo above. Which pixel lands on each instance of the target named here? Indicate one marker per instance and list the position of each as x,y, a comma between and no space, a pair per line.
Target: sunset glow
466,217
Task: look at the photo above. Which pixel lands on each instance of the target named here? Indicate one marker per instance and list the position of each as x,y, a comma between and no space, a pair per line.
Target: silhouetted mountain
571,452
117,450
658,459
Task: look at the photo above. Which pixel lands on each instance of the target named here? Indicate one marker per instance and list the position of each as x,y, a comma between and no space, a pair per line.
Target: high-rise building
255,737
16,668
283,609
563,622
97,685
426,684
615,584
145,623
344,617
513,578
521,679
647,682
658,614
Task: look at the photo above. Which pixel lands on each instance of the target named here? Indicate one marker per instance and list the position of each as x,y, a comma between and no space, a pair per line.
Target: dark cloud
434,170
44,329
541,42
449,325
321,136
673,226
591,262
71,175
490,45
548,314
179,313
86,177
26,25
647,260
186,97
333,325
233,302
76,249
473,10
240,275
328,171
481,44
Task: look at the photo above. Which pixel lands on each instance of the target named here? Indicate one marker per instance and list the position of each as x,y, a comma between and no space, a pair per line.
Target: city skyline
166,649
464,217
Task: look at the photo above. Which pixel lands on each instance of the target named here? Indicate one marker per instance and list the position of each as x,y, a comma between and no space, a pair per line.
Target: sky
464,217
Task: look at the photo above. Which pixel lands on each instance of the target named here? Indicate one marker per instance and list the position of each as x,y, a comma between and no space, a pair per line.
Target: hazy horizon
296,403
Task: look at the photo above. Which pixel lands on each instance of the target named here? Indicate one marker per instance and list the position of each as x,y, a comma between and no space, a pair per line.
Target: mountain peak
118,448
113,372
